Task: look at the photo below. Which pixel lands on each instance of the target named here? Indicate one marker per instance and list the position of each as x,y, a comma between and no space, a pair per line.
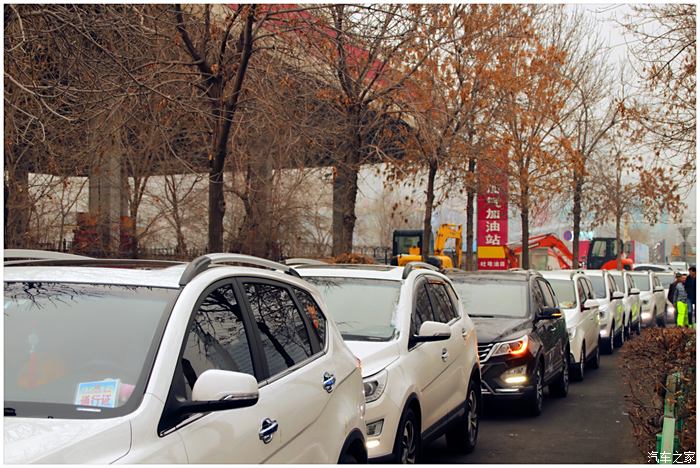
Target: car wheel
609,343
595,360
639,326
577,370
348,459
560,388
534,402
620,339
408,439
462,438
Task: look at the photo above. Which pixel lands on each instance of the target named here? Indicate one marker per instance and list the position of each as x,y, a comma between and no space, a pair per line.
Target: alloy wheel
408,443
472,417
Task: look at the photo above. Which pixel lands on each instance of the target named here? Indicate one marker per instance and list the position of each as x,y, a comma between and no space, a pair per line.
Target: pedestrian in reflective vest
680,299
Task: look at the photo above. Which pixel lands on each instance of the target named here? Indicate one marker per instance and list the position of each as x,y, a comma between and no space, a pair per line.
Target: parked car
574,292
523,342
652,297
182,364
631,302
418,350
651,267
682,267
611,309
666,279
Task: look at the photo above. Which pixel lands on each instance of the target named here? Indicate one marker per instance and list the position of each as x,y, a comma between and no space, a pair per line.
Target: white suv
200,363
631,301
652,296
611,309
418,349
576,298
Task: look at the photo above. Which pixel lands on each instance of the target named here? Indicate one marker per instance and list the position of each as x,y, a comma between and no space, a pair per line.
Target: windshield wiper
10,412
484,316
351,337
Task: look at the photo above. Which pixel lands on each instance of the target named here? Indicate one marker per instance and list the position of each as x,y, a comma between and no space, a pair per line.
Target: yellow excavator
407,243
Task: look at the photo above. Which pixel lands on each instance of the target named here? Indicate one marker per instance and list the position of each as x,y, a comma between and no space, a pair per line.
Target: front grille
484,350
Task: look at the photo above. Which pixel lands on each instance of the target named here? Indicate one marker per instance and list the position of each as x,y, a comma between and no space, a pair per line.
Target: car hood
489,330
33,440
375,355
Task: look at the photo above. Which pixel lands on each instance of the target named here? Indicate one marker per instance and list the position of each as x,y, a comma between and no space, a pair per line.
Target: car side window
314,314
280,325
630,285
217,338
538,296
611,286
580,284
547,294
444,309
590,294
423,311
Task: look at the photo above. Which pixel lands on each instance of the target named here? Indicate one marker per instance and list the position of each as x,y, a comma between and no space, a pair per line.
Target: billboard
492,226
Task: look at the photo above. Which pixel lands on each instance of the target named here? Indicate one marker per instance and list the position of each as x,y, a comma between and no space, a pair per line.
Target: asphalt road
590,425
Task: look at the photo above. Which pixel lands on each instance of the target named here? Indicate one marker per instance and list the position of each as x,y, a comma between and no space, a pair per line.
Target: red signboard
492,227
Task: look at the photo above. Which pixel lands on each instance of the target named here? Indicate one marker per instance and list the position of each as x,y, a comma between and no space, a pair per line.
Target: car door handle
444,355
328,381
269,427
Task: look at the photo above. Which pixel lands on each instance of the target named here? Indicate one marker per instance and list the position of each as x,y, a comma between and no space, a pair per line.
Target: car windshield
641,282
666,279
598,286
564,289
491,299
80,350
363,309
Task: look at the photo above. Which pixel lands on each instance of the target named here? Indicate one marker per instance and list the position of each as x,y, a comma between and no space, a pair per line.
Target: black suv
523,342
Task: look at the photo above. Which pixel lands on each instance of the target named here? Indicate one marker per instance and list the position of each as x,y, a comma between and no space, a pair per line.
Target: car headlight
572,332
375,385
515,347
603,311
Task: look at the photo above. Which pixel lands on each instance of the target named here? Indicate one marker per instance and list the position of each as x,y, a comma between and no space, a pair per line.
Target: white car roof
594,272
168,277
384,272
559,274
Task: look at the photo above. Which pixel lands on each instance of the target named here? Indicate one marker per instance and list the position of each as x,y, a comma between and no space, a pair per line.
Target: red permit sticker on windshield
101,393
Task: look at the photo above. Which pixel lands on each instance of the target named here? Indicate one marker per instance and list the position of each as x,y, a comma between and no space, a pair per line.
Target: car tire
463,436
407,445
594,363
577,370
609,343
560,387
535,401
639,326
620,339
348,459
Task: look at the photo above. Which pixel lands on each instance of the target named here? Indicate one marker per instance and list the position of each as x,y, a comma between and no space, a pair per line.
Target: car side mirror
431,331
590,304
618,295
220,390
634,292
549,313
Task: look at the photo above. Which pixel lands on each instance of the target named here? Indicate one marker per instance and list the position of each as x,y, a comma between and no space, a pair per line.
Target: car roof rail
30,254
410,266
202,263
95,262
304,261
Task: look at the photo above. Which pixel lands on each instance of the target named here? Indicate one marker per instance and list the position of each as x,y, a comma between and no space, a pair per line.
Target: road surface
588,426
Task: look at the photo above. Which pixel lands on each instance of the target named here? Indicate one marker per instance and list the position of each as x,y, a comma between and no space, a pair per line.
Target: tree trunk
471,195
617,241
217,208
578,186
255,235
344,197
17,208
525,226
429,201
